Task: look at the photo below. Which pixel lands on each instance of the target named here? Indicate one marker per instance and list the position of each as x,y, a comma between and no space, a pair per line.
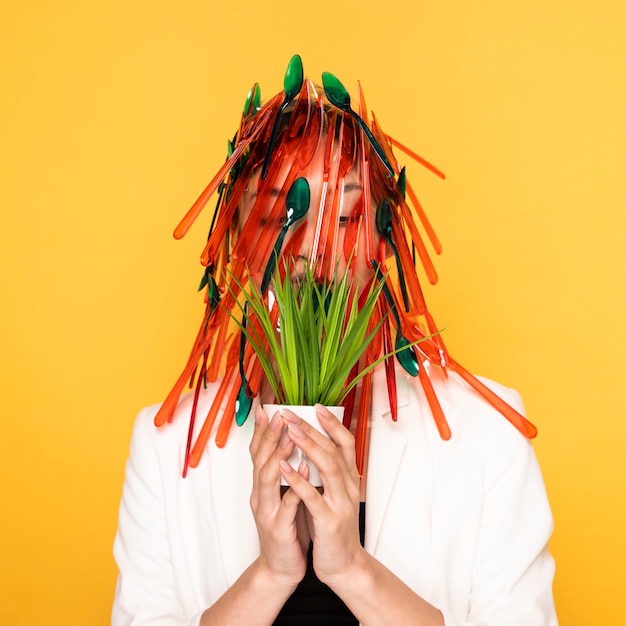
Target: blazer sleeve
513,571
146,590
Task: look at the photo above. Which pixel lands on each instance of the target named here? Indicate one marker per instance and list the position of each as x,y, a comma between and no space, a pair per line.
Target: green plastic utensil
292,83
244,401
383,225
338,95
253,101
297,202
406,357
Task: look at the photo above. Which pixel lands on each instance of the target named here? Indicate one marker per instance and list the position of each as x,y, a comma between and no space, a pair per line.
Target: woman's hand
283,552
332,514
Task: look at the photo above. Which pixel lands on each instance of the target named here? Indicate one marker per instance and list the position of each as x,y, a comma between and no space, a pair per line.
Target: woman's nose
303,247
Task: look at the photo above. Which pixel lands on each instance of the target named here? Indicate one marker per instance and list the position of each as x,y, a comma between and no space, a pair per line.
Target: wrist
266,580
357,571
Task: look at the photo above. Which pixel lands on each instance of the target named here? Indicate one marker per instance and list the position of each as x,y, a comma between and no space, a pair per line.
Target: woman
455,531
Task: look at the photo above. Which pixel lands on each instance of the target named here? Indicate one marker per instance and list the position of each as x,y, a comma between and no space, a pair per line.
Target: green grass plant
321,334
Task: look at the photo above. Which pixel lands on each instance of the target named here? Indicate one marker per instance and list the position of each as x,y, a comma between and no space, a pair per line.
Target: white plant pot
309,415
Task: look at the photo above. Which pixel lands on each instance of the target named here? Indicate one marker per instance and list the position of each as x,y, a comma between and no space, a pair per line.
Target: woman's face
332,228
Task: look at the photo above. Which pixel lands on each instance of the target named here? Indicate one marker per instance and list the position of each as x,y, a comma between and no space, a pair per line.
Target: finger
310,440
267,487
301,487
319,438
260,424
341,436
288,508
304,470
268,440
340,482
315,507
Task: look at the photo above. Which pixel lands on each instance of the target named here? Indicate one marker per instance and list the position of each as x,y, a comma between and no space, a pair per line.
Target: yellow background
113,116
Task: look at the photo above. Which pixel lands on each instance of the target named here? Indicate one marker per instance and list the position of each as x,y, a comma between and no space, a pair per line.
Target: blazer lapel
386,449
401,481
230,489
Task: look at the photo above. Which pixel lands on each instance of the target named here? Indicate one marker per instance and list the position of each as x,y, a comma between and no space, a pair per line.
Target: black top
313,602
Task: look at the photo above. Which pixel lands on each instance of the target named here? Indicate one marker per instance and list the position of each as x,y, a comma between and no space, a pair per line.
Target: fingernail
323,411
275,421
290,416
297,432
258,415
284,465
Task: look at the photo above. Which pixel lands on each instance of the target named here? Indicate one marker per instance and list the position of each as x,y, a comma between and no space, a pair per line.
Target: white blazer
465,523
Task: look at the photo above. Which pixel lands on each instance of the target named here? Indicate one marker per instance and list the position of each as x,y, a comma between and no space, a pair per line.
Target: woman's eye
275,223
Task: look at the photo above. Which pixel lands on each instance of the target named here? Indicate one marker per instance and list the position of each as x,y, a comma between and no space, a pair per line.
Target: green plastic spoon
406,357
244,401
383,224
294,77
297,202
339,96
